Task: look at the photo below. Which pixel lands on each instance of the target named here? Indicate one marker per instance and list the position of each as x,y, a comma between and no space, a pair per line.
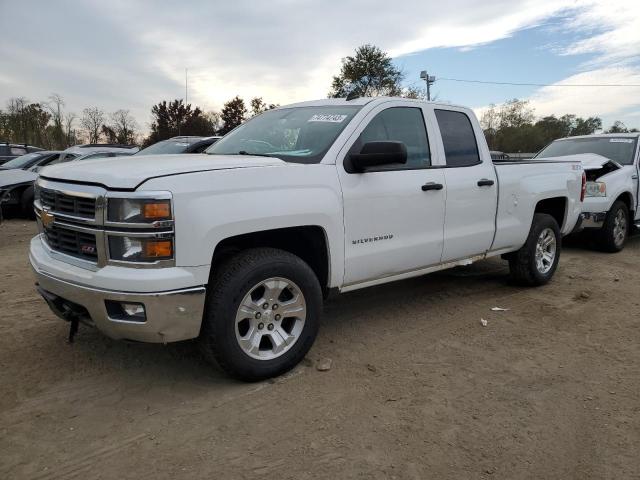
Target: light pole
430,80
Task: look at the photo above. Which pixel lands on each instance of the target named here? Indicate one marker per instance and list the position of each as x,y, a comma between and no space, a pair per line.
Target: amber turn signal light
158,210
158,249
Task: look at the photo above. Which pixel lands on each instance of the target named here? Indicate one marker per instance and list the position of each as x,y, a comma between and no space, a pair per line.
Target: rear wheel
262,313
536,262
614,232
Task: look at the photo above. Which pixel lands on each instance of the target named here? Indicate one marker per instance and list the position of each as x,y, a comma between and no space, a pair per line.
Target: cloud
591,101
123,54
612,29
608,32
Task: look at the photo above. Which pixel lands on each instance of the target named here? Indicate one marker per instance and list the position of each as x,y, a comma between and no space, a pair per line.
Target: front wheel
26,203
262,313
536,262
614,232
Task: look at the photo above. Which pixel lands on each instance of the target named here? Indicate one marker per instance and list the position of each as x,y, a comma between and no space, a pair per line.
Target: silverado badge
46,218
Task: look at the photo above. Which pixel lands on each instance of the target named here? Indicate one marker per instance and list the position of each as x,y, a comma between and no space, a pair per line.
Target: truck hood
128,172
16,176
593,161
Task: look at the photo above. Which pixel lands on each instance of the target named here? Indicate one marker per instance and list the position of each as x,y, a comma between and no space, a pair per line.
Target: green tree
257,106
369,72
618,127
233,114
175,118
586,126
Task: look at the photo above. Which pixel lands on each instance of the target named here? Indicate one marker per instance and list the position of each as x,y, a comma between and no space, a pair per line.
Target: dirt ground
418,388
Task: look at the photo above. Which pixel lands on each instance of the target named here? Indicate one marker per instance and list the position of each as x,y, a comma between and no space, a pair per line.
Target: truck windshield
23,161
618,149
169,146
299,134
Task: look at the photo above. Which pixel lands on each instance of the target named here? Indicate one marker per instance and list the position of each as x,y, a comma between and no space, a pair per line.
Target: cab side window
400,124
458,138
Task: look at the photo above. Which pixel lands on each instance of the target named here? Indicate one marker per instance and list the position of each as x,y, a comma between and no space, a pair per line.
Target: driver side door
393,215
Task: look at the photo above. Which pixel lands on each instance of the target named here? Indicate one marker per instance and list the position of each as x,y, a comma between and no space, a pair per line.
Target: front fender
212,206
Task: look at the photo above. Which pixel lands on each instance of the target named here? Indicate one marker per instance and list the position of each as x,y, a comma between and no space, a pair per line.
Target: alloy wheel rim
270,318
545,250
619,228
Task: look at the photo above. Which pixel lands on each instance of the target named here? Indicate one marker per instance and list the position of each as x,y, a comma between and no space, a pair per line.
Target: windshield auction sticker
621,140
328,118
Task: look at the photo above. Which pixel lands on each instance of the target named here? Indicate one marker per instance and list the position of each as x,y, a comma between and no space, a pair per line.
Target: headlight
596,189
139,210
140,249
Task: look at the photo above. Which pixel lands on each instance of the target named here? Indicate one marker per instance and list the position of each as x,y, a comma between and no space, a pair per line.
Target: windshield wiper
244,152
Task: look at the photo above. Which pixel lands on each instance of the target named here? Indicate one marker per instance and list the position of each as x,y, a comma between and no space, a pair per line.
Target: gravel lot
418,387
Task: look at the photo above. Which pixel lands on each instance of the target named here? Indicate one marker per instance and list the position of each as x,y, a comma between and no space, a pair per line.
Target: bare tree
70,132
54,105
92,121
215,119
124,126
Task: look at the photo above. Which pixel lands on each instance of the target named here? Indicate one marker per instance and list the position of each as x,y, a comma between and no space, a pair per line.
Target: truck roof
603,135
363,101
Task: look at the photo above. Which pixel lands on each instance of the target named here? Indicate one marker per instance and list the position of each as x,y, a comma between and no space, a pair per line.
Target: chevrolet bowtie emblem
47,218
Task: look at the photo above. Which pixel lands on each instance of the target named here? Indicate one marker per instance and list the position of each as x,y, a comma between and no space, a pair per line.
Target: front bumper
592,219
170,315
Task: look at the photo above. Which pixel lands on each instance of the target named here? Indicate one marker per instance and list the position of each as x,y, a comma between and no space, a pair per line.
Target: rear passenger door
472,190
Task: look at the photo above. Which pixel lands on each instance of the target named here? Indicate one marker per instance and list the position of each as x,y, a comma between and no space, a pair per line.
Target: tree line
513,127
370,71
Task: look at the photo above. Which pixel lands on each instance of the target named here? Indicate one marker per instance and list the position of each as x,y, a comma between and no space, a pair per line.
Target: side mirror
375,154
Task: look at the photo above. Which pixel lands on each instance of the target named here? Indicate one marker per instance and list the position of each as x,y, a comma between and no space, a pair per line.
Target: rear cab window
458,138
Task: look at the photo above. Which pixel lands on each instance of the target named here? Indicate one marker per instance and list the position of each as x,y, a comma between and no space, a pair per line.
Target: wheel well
627,199
307,242
556,207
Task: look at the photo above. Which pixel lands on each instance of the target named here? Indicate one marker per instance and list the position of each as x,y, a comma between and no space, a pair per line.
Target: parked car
30,160
611,165
16,185
496,155
9,151
239,246
81,150
179,145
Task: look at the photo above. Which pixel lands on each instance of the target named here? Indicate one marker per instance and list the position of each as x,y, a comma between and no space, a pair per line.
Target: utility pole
186,86
430,80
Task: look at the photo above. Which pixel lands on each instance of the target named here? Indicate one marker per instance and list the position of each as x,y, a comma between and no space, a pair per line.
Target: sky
125,54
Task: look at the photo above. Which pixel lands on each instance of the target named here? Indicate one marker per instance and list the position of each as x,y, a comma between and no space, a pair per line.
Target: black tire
26,203
226,290
523,265
606,238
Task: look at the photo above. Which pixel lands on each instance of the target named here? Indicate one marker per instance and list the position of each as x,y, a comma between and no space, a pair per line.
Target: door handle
431,186
485,182
634,177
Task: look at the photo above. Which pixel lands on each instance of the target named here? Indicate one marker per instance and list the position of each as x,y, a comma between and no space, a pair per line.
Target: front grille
78,244
68,204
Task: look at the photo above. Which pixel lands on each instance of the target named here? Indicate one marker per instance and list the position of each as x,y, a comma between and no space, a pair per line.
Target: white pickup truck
610,162
238,246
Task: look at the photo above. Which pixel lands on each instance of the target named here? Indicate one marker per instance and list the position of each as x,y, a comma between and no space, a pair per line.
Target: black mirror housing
376,154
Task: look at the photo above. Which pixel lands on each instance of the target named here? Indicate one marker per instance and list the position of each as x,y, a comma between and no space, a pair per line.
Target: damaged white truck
610,162
238,246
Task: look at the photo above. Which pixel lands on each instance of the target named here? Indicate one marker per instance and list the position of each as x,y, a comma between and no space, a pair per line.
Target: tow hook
64,310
